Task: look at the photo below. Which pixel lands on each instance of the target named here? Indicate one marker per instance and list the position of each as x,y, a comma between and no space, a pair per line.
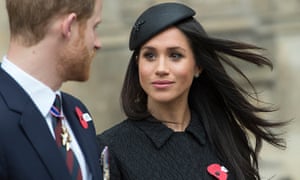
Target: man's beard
76,61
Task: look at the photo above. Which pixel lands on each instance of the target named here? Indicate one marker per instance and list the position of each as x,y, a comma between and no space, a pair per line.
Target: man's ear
67,24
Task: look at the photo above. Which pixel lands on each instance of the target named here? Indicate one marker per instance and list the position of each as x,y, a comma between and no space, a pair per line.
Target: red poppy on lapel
219,172
82,121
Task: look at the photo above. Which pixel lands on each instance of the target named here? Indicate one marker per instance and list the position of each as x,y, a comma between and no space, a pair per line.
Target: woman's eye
149,56
176,55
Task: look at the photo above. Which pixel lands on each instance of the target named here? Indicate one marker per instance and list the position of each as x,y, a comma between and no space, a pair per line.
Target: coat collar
159,134
14,96
33,125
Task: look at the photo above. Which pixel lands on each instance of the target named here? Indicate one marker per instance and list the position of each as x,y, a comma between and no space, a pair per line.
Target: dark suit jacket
27,149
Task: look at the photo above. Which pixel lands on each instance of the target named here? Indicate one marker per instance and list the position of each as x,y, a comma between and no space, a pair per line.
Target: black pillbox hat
156,19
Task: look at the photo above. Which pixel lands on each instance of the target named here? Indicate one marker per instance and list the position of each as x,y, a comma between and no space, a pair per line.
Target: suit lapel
38,133
34,126
82,135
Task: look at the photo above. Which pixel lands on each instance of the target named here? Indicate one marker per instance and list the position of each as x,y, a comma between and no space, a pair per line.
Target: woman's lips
162,84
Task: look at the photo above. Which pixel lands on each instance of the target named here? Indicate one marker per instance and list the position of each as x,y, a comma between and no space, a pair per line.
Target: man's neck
37,60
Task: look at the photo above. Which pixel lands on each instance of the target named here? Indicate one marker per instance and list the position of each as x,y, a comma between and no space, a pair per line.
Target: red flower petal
79,113
217,171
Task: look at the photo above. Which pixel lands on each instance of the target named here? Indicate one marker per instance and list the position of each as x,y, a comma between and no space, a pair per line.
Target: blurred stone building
272,24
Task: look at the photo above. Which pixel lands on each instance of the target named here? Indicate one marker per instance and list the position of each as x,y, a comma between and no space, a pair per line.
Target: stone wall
272,24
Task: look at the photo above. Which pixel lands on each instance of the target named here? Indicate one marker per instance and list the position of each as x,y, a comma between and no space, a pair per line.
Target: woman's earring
196,75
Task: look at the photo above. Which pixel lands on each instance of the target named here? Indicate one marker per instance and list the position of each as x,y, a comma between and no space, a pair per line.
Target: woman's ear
67,24
198,71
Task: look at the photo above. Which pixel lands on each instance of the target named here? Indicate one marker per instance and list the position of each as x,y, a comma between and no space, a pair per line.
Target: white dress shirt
43,97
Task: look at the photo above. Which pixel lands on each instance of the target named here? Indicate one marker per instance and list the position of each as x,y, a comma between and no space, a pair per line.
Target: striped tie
63,140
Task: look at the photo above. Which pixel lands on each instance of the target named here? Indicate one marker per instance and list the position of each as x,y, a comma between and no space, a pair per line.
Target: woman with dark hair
187,118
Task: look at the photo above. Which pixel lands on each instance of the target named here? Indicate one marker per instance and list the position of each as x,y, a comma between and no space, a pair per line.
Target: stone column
4,29
281,21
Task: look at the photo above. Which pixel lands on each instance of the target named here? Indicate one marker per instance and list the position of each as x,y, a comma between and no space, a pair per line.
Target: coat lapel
34,126
86,142
38,133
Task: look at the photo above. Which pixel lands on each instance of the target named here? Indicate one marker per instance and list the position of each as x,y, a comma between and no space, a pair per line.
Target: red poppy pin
83,117
218,171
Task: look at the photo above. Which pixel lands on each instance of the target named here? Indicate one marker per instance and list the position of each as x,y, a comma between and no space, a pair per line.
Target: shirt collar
42,96
159,134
